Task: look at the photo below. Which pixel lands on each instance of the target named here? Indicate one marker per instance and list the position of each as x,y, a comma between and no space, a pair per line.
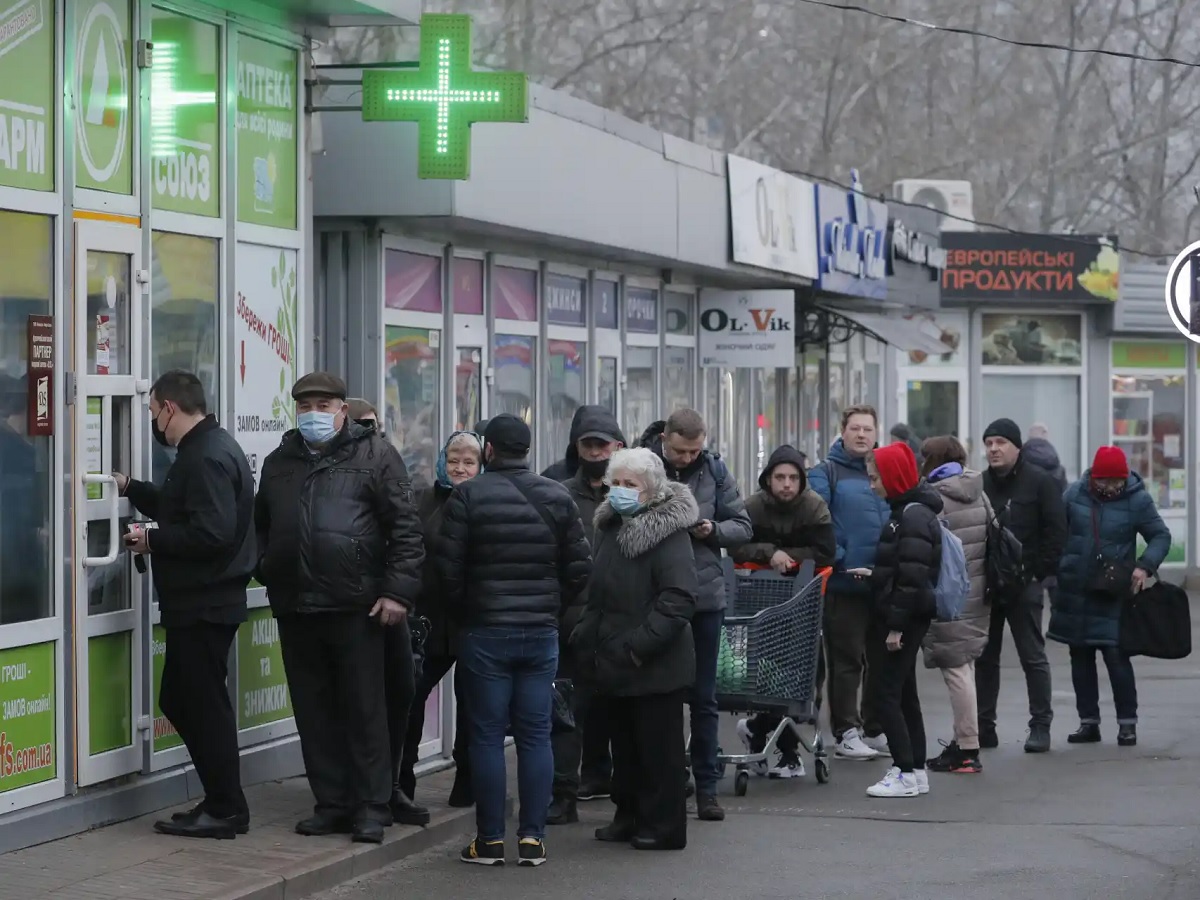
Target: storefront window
185,273
679,313
712,408
837,400
810,410
26,285
641,390
412,395
767,430
412,282
677,378
1050,400
607,382
1031,339
469,398
565,386
514,357
932,408
514,294
1149,422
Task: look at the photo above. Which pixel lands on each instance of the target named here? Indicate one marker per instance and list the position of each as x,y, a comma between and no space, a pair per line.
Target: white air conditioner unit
951,197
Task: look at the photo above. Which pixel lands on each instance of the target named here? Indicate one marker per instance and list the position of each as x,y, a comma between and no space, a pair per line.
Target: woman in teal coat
1107,508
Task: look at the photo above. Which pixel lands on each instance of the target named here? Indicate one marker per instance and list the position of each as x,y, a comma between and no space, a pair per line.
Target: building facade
154,213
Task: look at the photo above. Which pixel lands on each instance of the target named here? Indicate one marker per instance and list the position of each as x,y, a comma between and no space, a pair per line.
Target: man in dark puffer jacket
512,554
341,557
582,762
567,466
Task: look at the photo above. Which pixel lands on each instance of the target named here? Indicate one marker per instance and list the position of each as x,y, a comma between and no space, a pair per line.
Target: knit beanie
1005,428
1110,462
897,468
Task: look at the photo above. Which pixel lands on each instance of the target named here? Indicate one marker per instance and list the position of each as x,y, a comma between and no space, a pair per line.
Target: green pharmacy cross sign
445,97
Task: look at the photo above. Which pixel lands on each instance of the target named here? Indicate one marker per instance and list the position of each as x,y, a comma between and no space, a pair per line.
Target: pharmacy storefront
153,216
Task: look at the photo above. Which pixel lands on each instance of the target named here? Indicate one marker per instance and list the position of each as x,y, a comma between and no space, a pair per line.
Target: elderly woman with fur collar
635,642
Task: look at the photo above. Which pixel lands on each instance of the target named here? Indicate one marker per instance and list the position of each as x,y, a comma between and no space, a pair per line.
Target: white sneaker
922,777
894,784
851,746
743,732
878,743
791,769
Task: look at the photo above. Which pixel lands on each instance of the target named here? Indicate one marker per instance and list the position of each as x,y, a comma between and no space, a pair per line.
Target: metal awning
902,334
329,13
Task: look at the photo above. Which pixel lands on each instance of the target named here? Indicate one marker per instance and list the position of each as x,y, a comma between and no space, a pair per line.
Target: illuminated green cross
445,97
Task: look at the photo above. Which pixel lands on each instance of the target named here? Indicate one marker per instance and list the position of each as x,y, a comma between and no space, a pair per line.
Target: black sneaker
562,812
708,809
988,739
1127,736
1038,740
947,759
490,853
531,852
596,790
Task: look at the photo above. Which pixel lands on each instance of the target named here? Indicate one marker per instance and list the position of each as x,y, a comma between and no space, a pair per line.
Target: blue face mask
625,501
317,427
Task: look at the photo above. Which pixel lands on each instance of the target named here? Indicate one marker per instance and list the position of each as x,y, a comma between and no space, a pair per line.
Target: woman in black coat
634,643
460,460
907,565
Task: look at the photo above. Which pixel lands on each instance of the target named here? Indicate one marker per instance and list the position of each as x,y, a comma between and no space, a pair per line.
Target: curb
401,841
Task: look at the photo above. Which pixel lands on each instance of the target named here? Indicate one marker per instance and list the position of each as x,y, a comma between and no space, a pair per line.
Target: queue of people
581,613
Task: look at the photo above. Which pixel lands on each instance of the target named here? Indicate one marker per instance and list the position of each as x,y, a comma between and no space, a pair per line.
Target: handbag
562,720
1157,622
1003,561
1109,578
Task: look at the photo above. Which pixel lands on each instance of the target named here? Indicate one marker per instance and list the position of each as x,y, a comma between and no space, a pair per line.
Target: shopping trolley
770,645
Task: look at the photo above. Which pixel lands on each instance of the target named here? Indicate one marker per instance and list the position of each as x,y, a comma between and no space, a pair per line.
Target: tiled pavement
129,861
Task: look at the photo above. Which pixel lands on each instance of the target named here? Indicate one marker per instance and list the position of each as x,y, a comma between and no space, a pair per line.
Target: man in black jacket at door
1029,504
203,553
341,561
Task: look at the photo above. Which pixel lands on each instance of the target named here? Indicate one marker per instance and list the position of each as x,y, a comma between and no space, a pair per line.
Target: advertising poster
165,735
26,716
185,134
103,82
263,695
1030,267
27,95
747,329
266,133
265,343
1036,339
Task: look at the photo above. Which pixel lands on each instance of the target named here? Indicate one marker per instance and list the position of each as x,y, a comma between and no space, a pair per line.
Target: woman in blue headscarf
460,460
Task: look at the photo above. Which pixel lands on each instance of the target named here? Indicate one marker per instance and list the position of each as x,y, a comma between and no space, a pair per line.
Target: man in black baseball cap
512,553
341,560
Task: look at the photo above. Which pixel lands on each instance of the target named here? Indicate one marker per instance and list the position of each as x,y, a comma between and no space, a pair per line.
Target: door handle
114,523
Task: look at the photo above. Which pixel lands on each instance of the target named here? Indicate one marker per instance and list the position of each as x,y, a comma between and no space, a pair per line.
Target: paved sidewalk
129,861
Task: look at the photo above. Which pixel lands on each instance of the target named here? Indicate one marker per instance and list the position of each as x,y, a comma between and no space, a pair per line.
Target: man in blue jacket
858,519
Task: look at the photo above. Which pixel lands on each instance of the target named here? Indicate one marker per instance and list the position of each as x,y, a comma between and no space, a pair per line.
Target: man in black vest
203,553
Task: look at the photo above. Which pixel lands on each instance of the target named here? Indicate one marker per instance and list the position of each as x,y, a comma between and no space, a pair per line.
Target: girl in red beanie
1100,568
907,564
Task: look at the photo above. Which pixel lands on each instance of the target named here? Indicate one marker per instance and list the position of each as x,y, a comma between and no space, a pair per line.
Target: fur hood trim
655,524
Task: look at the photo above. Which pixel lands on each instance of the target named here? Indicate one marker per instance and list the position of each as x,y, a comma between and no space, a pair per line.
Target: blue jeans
1087,684
509,677
706,634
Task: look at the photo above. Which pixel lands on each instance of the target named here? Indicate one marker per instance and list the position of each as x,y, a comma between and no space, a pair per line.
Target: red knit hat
1110,462
897,468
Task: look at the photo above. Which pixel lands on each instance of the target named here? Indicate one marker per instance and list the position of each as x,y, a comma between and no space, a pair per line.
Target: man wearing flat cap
341,560
512,554
1029,504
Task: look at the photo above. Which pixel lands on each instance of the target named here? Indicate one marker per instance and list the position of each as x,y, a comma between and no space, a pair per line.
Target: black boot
405,812
1127,736
708,809
1088,733
562,812
1038,740
461,795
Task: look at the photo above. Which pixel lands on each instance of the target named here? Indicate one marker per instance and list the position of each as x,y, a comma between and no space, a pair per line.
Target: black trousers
193,695
896,700
433,671
400,686
335,668
581,755
648,780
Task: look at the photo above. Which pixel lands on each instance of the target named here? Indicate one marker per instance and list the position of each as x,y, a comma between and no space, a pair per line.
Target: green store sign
27,112
266,133
185,133
1149,355
27,716
102,90
445,97
165,735
263,695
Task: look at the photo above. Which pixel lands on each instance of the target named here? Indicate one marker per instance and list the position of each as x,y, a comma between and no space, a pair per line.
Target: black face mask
593,469
159,434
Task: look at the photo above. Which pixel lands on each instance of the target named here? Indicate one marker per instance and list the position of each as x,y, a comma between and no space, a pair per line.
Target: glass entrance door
933,408
110,422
